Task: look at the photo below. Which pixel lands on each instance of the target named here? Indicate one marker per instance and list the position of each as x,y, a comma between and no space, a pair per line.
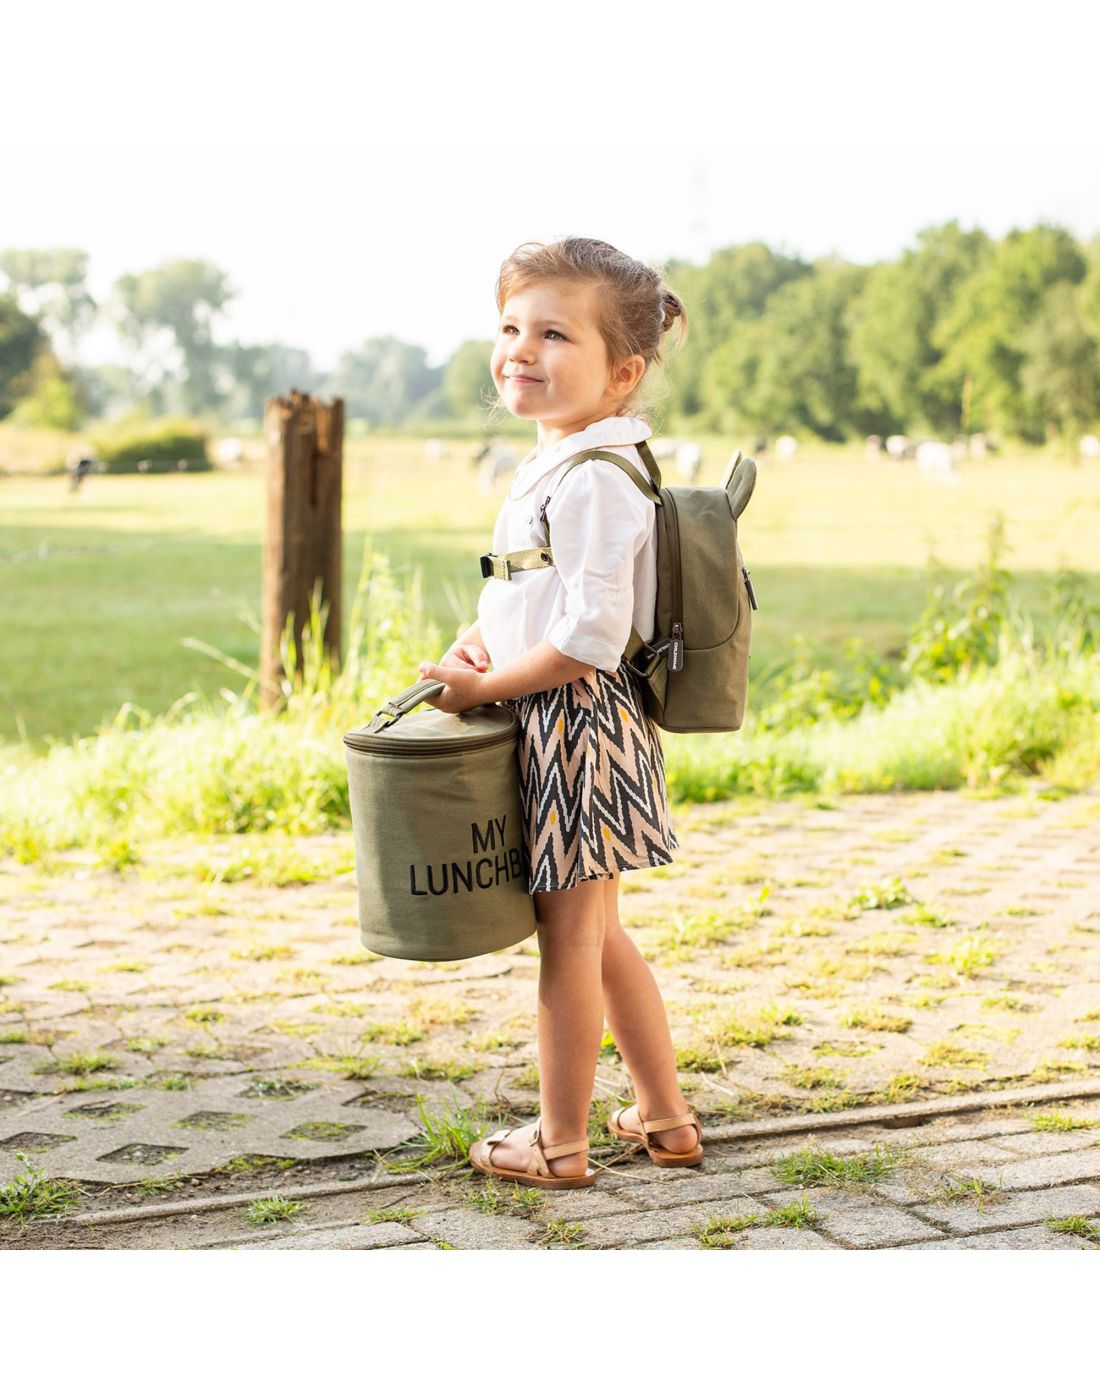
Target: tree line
960,333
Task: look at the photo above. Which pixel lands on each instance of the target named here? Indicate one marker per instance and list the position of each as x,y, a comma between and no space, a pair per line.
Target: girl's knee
573,918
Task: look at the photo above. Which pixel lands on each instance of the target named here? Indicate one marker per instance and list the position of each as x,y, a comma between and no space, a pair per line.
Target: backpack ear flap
738,482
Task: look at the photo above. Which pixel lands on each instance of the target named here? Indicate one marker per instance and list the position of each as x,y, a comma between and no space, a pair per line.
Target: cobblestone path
191,1033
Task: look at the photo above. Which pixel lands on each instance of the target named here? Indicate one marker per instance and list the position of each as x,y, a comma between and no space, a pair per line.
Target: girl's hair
634,307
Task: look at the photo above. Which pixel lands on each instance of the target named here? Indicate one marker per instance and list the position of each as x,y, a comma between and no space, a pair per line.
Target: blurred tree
52,399
1060,372
729,292
467,382
804,374
21,341
891,327
51,284
384,379
256,373
980,333
180,300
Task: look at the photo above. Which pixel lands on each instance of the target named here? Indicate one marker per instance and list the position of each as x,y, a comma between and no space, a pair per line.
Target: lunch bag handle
400,705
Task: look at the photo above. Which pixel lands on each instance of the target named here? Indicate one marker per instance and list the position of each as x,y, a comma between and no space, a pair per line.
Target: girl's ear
627,375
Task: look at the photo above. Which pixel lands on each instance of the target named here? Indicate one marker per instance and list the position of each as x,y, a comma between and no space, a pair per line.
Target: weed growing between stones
445,1136
32,1193
727,1232
968,957
79,1062
873,1018
1061,1123
453,1070
561,1234
396,1215
524,1202
888,894
971,1188
815,1167
1074,1225
270,1209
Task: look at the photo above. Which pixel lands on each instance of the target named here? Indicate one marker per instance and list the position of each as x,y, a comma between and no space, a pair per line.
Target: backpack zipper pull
748,585
676,648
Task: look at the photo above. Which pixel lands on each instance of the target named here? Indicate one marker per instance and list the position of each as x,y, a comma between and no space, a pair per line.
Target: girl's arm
541,668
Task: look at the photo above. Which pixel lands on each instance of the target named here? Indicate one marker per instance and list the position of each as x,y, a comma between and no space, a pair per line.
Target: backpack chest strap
503,566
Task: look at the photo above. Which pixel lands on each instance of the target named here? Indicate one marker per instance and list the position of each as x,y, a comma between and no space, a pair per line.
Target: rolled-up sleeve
599,520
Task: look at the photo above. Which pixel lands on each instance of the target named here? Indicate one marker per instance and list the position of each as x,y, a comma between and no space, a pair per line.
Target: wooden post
305,458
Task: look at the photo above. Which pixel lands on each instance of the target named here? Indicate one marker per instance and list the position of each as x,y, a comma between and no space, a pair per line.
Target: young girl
580,325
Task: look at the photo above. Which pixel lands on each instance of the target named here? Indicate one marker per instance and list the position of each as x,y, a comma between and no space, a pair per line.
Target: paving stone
1019,1208
963,1156
1051,1171
771,1237
683,1242
858,1221
469,1229
381,1236
585,1204
1036,1144
664,1223
1031,1237
682,1189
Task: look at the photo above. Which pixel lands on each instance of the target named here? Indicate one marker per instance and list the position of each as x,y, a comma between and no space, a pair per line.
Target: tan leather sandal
538,1173
659,1155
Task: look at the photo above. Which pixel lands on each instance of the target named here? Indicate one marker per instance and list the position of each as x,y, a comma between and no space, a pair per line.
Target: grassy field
102,587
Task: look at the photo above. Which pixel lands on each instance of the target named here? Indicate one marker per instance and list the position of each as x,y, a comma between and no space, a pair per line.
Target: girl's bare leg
571,1018
638,1021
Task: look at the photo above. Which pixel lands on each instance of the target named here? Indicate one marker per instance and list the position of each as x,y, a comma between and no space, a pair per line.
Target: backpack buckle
494,567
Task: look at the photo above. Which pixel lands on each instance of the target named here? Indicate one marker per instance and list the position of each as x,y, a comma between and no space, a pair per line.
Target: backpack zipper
676,640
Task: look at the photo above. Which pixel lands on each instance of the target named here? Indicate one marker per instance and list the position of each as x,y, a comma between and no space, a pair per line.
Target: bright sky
360,173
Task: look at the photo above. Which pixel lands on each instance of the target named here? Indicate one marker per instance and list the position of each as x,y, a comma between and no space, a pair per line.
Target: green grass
1075,1225
727,1231
444,1138
972,1188
228,770
561,1234
158,559
815,1167
1061,1123
32,1194
268,1210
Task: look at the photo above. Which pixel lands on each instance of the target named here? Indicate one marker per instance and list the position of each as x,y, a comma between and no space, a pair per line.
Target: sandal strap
658,1125
542,1154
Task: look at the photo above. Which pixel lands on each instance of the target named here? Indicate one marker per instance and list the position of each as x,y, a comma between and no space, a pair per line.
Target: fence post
302,538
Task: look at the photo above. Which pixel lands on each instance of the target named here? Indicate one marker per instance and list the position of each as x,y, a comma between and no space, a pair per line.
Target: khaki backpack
694,673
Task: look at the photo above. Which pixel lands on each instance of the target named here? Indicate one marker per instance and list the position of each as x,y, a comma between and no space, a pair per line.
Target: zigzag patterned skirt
592,781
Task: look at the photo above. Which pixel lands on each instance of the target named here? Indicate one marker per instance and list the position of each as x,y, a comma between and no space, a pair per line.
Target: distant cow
1089,446
689,460
872,447
435,450
937,459
898,447
786,447
495,460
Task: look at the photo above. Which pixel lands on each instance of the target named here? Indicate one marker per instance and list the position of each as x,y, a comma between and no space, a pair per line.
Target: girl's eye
505,329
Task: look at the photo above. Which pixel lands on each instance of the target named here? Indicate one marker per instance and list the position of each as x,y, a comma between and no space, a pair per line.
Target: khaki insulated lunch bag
435,808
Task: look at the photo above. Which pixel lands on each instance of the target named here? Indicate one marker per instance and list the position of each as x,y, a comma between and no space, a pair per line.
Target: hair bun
673,309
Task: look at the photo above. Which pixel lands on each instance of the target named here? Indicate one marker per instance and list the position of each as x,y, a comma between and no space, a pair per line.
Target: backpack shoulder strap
650,491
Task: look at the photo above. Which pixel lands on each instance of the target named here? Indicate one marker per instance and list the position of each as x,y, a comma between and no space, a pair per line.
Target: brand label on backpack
492,862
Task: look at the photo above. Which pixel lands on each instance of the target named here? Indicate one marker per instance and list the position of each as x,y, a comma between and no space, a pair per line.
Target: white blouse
604,576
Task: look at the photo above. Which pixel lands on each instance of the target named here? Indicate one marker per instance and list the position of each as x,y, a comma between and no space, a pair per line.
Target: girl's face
550,362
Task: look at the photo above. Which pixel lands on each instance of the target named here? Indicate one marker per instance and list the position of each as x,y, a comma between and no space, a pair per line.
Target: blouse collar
618,431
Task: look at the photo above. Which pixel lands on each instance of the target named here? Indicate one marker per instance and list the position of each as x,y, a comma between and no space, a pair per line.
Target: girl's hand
466,655
463,687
